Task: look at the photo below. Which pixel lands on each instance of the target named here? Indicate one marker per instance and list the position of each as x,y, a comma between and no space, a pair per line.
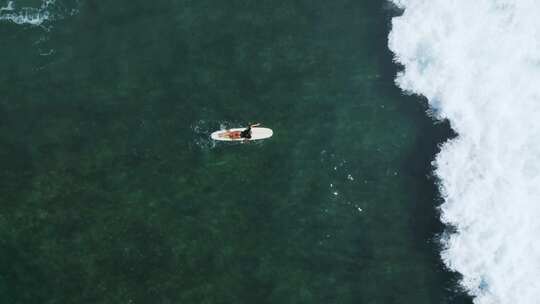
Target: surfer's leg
234,134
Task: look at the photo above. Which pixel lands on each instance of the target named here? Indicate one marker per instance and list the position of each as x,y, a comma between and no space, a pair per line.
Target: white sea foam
8,7
26,15
478,63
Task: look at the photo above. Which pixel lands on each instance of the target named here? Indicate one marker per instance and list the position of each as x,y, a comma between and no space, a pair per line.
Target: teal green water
112,191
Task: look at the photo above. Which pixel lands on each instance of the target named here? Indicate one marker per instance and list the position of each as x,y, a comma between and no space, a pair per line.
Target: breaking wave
478,64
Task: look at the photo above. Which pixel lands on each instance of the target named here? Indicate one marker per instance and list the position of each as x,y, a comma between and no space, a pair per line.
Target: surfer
245,134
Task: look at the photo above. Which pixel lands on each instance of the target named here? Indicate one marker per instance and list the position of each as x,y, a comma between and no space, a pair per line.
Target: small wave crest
478,63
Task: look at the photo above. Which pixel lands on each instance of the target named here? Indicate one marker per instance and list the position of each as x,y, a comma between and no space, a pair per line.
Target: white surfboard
256,133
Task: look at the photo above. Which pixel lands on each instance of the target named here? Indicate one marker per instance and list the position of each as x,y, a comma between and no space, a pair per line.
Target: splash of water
47,11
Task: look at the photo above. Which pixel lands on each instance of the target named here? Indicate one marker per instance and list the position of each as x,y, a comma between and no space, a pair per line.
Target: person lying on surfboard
246,134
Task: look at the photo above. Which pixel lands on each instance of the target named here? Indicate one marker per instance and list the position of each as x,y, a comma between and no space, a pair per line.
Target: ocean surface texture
478,63
112,192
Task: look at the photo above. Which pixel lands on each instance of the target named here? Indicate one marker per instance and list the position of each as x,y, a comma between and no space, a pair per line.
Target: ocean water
478,65
112,192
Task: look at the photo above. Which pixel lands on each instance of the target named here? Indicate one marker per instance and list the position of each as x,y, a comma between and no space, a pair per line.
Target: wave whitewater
478,64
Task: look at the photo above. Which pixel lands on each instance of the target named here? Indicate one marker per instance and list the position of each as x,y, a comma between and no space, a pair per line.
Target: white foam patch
26,15
478,63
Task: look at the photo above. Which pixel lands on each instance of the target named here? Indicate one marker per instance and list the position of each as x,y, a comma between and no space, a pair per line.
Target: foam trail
478,64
